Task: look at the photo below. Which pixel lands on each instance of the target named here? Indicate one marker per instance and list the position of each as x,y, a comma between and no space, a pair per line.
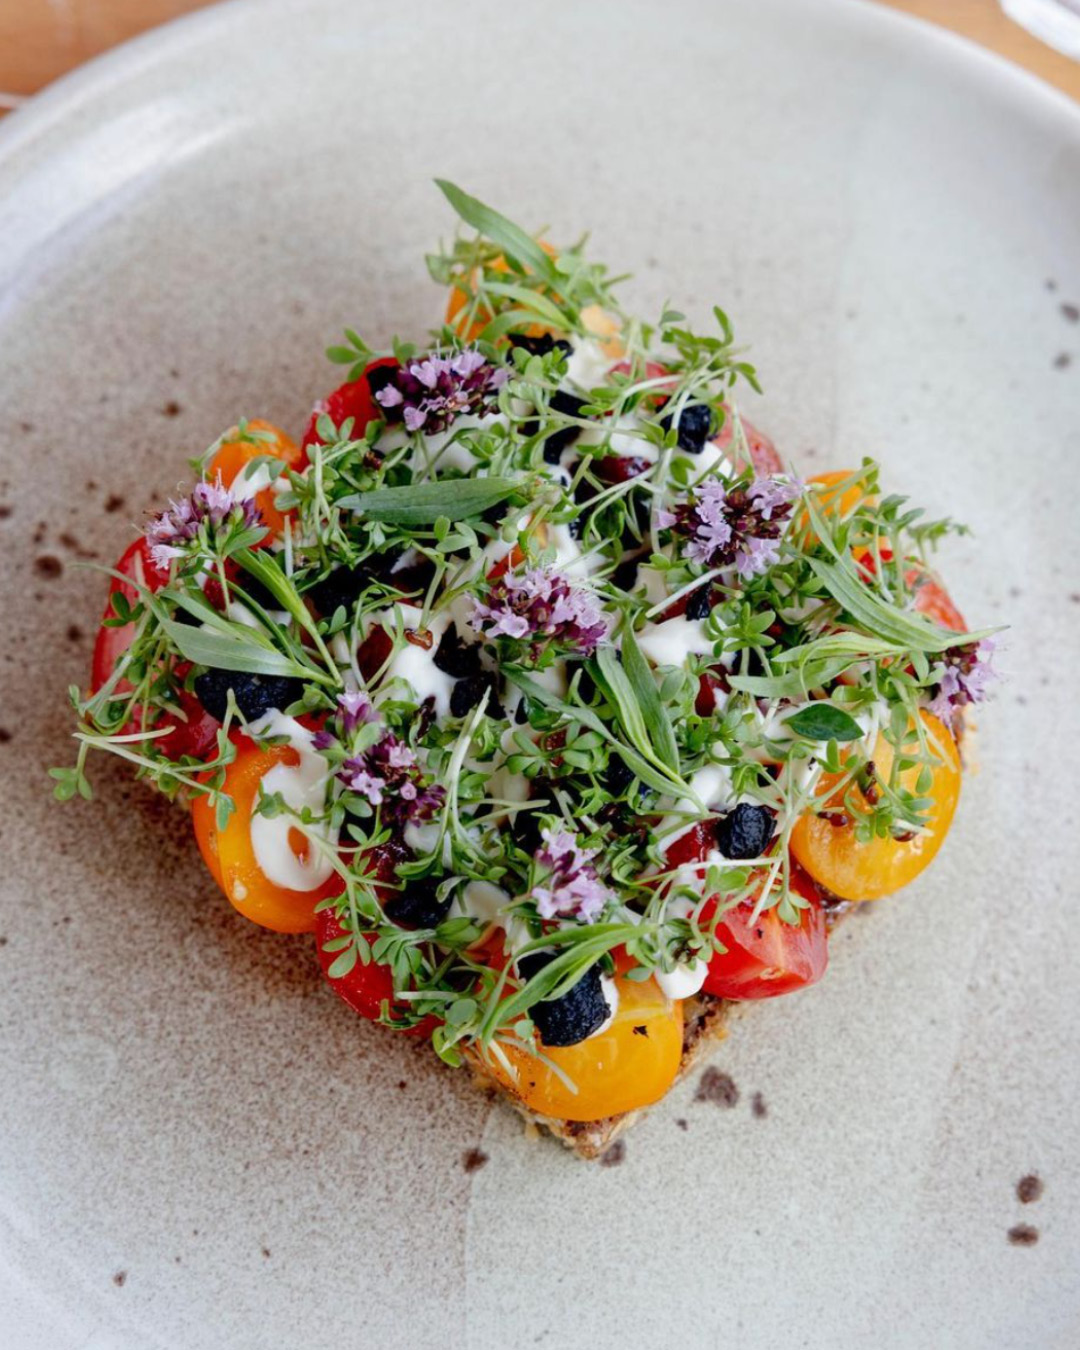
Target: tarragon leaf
517,246
425,503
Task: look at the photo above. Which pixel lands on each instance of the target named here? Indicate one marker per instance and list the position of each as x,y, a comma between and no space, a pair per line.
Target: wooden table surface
42,39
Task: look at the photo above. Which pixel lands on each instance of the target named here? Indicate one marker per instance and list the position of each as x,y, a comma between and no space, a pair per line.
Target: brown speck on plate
1023,1235
266,1253
5,511
113,502
5,735
1062,361
473,1159
171,409
1029,1188
48,565
682,1123
119,1278
613,1156
717,1088
1070,312
758,1106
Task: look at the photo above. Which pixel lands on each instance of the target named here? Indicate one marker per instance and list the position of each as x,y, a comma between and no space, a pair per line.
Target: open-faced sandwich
538,687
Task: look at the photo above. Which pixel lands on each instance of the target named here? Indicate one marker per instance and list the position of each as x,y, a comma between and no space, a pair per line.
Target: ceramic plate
199,1146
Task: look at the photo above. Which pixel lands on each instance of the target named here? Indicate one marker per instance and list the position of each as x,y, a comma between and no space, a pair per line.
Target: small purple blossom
210,505
389,775
431,392
573,889
542,606
741,527
963,676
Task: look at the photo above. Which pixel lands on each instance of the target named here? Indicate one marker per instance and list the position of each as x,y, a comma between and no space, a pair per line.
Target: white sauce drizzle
416,665
685,980
669,643
300,785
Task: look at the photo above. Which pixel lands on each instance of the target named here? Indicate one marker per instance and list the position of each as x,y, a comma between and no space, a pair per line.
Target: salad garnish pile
535,682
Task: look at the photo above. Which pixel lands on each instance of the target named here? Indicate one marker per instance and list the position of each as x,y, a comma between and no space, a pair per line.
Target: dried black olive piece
624,578
695,423
539,345
525,826
342,586
378,379
418,905
454,656
618,776
467,693
570,1019
744,832
699,606
570,406
254,694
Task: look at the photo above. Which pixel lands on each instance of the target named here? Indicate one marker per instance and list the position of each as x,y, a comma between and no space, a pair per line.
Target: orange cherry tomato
834,503
460,299
855,871
234,454
230,854
630,1064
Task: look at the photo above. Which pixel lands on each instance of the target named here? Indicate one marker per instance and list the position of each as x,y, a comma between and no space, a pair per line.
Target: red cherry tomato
367,986
765,958
762,452
353,399
933,600
111,643
195,731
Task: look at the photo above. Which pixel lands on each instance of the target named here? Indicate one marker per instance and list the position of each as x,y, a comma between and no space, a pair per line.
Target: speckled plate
199,1147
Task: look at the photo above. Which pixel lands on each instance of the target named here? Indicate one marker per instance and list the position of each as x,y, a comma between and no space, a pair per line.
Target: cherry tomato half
195,731
833,856
365,987
235,453
230,853
353,399
631,1063
767,957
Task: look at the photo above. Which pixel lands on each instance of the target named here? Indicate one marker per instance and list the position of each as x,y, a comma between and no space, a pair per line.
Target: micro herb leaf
824,722
634,761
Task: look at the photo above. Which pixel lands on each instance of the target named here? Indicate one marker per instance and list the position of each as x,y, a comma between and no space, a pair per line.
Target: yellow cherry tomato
235,453
631,1063
229,854
852,870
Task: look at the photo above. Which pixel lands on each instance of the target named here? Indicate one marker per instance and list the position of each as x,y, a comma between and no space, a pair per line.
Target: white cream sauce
685,980
300,785
415,664
669,643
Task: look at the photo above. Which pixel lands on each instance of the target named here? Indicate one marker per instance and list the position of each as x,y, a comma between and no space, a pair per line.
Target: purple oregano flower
742,526
431,392
573,889
963,675
387,771
210,504
539,606
389,775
